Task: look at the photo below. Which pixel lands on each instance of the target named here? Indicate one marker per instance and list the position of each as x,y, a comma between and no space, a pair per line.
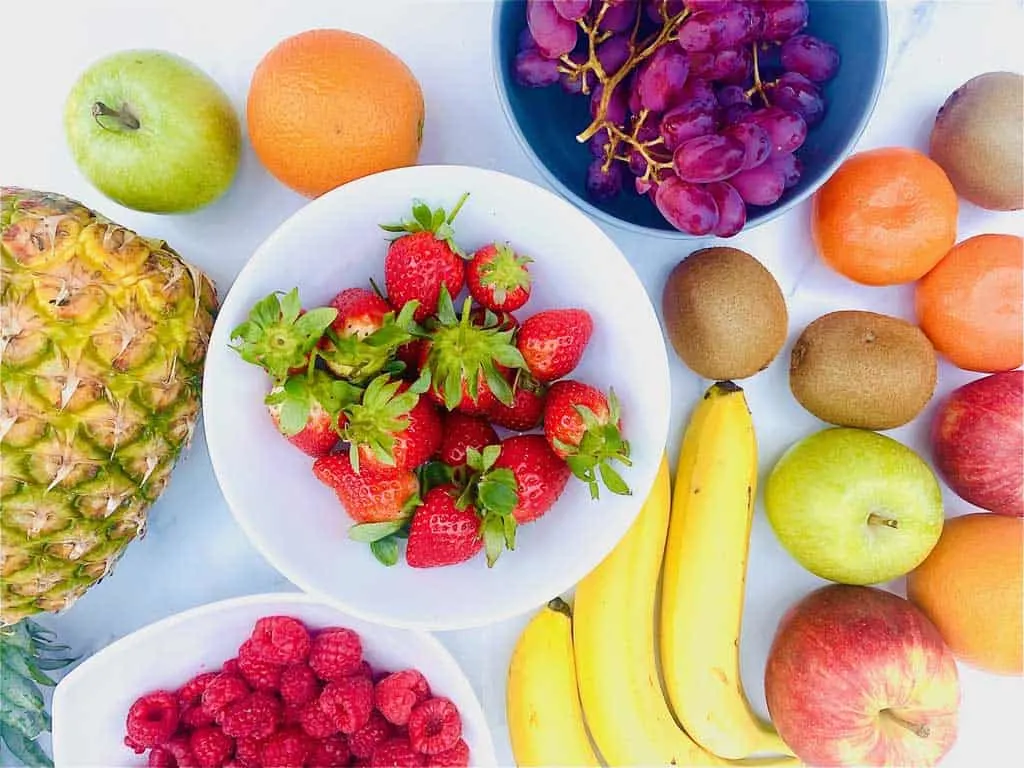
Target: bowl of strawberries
436,397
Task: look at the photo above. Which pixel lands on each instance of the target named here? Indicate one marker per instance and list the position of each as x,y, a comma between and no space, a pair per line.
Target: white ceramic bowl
91,702
334,243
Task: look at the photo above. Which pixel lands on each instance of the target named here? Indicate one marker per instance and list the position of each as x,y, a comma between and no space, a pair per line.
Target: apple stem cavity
114,120
874,519
920,730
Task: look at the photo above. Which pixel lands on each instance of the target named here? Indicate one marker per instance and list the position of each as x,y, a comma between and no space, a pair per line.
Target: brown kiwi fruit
862,369
978,139
724,313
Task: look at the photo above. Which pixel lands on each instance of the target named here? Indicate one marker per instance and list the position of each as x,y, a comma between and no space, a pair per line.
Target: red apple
859,676
978,442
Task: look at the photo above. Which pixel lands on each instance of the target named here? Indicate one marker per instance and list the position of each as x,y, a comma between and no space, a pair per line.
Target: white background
194,553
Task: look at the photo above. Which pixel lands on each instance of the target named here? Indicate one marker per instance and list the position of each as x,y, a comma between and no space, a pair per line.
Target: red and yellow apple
978,442
859,676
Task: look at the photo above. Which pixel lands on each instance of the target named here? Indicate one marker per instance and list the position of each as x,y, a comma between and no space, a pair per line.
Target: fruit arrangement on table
398,397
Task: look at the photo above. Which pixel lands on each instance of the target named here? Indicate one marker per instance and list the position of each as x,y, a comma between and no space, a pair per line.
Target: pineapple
103,335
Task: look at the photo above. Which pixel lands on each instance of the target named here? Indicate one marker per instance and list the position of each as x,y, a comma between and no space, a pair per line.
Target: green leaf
370,532
453,389
20,691
590,420
445,307
10,659
30,753
509,356
316,321
422,214
474,459
385,550
294,415
498,385
613,481
490,455
437,219
497,492
28,722
433,474
494,538
422,383
291,305
511,526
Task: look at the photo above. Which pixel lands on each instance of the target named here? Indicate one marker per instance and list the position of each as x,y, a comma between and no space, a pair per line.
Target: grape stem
647,149
760,87
637,55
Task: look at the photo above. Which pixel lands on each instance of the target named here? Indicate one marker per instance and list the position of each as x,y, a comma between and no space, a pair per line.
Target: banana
545,721
705,576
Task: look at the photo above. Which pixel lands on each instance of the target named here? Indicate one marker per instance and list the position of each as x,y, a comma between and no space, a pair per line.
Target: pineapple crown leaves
494,493
602,442
298,395
374,422
27,651
505,272
435,221
461,351
277,336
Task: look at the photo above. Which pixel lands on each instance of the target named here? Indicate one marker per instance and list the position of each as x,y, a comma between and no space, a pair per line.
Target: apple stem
874,519
122,118
922,730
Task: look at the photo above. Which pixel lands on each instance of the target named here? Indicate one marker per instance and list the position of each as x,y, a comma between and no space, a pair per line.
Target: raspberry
330,753
298,685
286,749
315,722
260,674
395,753
161,758
398,693
247,752
361,743
181,752
434,726
336,653
192,691
134,746
194,716
152,719
280,640
231,666
456,757
223,690
367,671
348,702
210,747
255,716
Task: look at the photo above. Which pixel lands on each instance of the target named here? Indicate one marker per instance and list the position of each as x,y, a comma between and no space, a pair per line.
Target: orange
972,588
885,217
970,305
328,106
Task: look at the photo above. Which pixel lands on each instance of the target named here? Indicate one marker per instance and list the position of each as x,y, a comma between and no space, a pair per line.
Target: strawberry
540,475
424,258
365,335
462,432
441,533
278,336
465,365
584,428
306,409
552,342
527,409
482,317
370,495
498,278
393,426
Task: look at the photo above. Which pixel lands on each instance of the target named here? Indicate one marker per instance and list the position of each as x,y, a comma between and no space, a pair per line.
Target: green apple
854,506
153,132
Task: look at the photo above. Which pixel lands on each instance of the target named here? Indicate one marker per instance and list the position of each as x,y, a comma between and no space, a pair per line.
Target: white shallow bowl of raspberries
436,397
265,681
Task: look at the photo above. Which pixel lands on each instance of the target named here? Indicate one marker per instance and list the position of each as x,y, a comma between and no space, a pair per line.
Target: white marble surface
194,552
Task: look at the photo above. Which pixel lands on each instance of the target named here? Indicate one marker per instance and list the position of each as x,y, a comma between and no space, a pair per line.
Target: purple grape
790,166
760,186
613,53
653,9
604,184
755,140
642,186
728,65
786,129
661,79
649,131
533,70
795,93
726,27
813,58
620,16
617,104
708,158
637,163
687,207
526,41
697,96
783,19
736,113
598,143
682,124
705,5
728,95
732,211
555,36
573,10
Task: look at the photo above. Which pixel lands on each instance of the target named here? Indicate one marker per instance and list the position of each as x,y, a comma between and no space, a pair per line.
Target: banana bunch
598,671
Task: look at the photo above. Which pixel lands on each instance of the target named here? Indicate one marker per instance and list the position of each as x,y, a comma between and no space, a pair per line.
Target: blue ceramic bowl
546,120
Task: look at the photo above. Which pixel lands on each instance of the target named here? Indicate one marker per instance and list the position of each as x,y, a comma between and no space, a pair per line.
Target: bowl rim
497,67
258,540
154,629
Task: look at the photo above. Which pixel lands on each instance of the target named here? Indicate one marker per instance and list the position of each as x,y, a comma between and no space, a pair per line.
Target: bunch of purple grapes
704,103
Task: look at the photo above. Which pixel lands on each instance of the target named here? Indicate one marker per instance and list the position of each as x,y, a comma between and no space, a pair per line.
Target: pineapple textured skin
103,337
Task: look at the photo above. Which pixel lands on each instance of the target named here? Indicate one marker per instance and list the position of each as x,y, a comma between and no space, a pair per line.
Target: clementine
885,217
328,106
971,305
972,588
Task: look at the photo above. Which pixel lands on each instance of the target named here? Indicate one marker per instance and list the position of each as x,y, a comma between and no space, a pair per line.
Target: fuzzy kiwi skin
724,314
978,139
863,369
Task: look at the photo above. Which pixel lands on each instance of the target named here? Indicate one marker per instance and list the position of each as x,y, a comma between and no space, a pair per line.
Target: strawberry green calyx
300,394
602,442
461,353
505,272
383,538
278,336
494,494
360,358
426,220
374,422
